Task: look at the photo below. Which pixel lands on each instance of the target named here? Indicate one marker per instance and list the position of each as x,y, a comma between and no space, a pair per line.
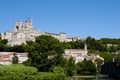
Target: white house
77,54
6,57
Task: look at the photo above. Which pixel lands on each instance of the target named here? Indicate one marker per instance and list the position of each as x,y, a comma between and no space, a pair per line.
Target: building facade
7,57
25,32
77,54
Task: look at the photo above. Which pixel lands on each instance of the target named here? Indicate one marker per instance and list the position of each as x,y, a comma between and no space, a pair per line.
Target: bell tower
29,24
85,49
18,26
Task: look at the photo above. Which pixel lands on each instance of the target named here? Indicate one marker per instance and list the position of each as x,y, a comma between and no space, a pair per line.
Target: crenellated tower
29,24
18,26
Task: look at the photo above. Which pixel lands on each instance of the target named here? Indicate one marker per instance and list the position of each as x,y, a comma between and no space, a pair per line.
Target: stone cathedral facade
25,32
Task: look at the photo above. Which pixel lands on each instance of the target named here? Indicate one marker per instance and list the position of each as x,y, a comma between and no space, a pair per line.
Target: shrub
16,72
51,76
21,72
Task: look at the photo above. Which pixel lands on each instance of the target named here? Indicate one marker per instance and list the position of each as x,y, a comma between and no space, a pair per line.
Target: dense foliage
21,72
3,44
15,59
111,69
117,58
16,72
86,67
102,45
105,55
44,53
110,41
69,67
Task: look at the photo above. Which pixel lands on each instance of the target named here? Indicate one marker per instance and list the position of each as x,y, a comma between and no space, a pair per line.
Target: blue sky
83,18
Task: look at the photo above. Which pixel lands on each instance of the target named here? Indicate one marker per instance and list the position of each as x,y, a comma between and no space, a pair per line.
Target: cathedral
25,32
21,34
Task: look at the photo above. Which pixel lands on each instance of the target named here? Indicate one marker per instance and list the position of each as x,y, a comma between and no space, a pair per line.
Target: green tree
107,56
69,66
15,59
91,42
85,67
21,72
99,62
78,44
66,45
94,44
4,41
59,70
0,35
45,52
18,48
1,46
112,49
117,58
17,72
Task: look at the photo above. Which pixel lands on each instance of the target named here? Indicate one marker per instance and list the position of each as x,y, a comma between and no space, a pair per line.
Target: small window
17,28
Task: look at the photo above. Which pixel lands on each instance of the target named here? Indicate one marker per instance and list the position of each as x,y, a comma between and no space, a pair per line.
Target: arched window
17,28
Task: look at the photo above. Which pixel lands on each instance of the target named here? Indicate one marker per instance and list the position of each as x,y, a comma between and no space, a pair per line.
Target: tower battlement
19,26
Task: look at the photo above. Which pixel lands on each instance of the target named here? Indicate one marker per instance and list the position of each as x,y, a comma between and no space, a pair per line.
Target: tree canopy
45,52
15,59
85,67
